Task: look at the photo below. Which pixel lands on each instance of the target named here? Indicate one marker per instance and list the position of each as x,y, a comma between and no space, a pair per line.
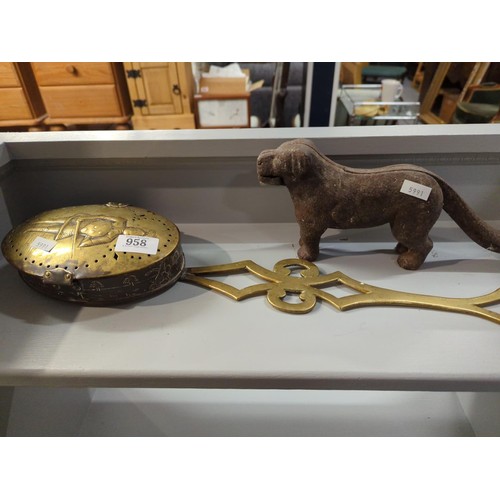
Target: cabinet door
158,85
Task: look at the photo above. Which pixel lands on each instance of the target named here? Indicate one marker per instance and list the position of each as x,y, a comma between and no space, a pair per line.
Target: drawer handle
176,89
71,69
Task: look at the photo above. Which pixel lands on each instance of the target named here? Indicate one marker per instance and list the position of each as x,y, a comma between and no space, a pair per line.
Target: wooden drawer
73,73
14,105
8,75
81,101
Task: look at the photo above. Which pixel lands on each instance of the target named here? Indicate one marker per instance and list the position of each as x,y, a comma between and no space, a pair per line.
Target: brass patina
84,266
280,284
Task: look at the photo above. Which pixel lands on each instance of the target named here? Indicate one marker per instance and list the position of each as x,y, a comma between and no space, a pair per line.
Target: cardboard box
225,86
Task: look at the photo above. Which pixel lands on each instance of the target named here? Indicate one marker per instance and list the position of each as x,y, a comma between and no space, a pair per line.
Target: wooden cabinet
90,93
161,94
20,101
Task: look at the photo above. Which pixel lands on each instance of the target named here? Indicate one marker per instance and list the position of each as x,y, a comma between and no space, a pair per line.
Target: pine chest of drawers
83,93
20,101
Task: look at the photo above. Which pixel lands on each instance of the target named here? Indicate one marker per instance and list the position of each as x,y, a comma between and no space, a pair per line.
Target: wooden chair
481,104
375,73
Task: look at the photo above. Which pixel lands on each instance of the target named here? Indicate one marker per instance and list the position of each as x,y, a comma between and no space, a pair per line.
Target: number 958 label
138,244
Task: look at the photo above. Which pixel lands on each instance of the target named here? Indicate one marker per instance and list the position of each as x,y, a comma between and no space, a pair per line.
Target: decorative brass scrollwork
280,283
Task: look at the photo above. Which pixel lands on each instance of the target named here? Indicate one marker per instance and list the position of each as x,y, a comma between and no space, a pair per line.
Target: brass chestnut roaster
70,253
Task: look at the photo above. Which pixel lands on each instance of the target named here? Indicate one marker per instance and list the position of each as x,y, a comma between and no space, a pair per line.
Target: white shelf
191,337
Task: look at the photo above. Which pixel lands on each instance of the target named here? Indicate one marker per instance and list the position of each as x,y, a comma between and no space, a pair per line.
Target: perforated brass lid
96,254
84,239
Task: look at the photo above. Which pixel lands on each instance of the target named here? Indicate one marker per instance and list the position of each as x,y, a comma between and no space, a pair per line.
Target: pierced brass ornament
279,283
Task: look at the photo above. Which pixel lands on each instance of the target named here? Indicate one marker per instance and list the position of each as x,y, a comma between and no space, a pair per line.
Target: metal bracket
140,103
134,73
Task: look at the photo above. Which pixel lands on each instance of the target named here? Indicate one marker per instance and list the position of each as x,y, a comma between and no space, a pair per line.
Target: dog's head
286,164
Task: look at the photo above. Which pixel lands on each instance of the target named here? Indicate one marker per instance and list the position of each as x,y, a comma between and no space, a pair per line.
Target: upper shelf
237,143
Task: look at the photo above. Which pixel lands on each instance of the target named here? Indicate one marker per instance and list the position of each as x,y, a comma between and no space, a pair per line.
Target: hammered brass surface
280,284
85,239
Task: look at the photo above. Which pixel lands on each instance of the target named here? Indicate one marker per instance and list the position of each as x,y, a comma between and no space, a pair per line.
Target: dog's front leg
310,235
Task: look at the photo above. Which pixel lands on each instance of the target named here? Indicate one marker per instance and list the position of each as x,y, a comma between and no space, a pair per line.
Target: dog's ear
300,160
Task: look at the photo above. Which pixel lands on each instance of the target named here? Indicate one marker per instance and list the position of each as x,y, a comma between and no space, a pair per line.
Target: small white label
415,189
43,244
137,244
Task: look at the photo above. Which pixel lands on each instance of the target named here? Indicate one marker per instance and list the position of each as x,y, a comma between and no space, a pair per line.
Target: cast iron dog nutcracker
328,195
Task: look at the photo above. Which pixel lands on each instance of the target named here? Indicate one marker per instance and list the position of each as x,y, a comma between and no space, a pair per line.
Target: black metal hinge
140,103
133,73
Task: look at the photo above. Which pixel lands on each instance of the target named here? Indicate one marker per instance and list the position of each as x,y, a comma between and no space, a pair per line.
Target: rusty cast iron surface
326,194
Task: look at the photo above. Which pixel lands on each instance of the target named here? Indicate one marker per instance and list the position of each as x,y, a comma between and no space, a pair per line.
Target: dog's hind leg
414,243
400,248
413,258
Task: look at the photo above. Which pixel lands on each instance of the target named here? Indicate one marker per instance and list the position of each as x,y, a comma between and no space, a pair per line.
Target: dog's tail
471,224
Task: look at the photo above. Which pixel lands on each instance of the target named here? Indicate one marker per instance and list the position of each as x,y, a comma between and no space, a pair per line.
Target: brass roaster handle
279,284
